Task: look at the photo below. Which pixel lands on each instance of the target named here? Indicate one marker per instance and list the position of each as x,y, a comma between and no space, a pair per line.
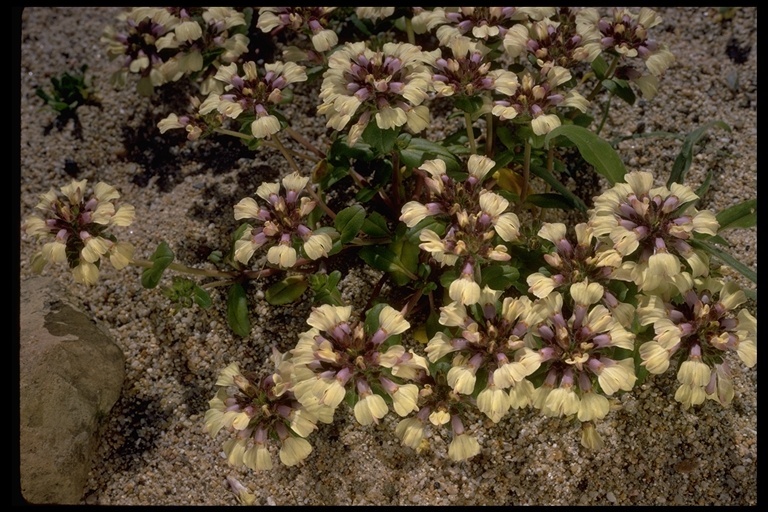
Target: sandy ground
154,450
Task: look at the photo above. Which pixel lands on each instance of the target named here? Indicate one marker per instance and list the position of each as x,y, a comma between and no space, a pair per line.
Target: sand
154,450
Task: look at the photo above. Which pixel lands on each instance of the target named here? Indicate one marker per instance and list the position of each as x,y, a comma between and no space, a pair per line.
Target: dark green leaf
381,140
286,291
469,104
621,89
419,150
550,200
375,225
595,150
366,194
547,176
725,258
333,174
349,221
326,288
704,186
201,297
372,318
382,258
742,215
600,67
499,277
508,138
161,258
237,310
685,157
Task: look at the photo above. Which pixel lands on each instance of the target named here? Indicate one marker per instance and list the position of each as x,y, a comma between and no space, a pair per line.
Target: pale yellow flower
410,431
618,376
463,447
370,409
282,255
294,450
590,438
493,402
593,406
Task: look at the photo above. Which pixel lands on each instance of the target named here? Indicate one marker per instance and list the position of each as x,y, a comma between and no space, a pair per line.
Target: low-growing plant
489,307
68,91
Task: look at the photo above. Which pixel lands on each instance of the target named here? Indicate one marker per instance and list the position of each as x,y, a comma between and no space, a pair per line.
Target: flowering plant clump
494,303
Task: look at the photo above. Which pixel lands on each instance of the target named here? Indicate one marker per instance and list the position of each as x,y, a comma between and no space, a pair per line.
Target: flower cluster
281,224
577,341
389,85
653,226
249,98
626,38
583,259
471,216
164,44
537,96
307,21
256,410
340,357
80,227
698,329
552,41
469,73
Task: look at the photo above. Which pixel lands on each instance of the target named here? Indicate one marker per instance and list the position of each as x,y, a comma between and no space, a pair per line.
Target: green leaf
375,225
382,258
595,150
366,194
161,258
372,318
237,310
600,67
725,258
469,104
499,277
349,221
621,89
704,187
742,215
419,150
326,288
547,176
381,140
685,157
550,200
286,291
201,297
332,174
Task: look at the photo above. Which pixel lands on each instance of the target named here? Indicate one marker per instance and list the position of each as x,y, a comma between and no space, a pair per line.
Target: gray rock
71,374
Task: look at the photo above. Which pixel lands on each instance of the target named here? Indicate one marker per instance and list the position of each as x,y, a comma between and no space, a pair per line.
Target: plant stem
409,30
308,188
304,142
526,172
375,292
396,179
286,153
264,142
608,74
233,133
605,114
361,182
489,135
470,132
178,267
